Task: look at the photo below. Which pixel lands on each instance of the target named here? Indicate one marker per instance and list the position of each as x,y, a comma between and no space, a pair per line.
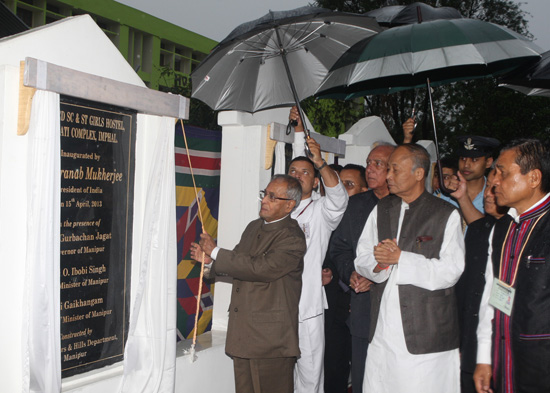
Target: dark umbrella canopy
443,50
440,51
397,15
532,79
250,69
269,20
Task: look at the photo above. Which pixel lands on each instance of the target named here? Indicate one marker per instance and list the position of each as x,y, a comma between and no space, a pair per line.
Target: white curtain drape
41,344
150,353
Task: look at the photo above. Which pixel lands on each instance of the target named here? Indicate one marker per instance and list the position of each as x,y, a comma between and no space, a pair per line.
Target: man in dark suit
342,252
514,327
266,266
337,334
470,286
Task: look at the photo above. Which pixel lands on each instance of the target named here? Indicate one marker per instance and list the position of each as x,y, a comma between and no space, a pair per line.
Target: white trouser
308,373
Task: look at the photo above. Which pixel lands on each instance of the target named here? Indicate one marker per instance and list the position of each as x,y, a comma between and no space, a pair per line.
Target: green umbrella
442,50
434,52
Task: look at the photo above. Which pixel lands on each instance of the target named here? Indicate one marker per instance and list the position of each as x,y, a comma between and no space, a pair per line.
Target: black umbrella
533,79
278,59
397,15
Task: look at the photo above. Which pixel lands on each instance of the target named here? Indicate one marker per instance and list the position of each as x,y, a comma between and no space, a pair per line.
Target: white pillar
242,176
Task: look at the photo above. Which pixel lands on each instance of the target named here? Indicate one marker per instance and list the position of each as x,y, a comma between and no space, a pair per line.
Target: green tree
332,117
200,114
470,107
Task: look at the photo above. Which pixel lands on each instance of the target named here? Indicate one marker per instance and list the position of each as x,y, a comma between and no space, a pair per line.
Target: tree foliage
200,114
332,117
477,107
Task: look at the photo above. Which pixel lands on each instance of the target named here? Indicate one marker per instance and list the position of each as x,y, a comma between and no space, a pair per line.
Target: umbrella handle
438,157
293,89
307,135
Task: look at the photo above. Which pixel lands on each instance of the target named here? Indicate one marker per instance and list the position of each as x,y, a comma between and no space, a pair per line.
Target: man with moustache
266,266
317,218
514,324
342,252
412,247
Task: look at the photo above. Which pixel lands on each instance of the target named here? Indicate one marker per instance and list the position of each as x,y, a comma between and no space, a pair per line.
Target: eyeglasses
272,196
379,164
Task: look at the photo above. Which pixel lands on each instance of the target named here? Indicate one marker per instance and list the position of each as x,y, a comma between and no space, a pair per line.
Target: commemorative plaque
97,175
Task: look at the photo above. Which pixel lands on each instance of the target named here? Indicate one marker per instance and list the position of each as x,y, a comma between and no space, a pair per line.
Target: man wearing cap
475,157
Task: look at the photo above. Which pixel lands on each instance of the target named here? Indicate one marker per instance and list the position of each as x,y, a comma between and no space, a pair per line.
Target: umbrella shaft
441,182
291,81
433,116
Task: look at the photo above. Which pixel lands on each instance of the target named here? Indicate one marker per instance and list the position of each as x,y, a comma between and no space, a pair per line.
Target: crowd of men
366,272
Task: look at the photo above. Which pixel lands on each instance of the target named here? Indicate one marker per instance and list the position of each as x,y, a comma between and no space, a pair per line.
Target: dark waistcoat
530,319
430,319
470,288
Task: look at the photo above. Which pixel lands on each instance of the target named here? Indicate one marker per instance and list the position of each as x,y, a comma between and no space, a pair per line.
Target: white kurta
390,367
317,218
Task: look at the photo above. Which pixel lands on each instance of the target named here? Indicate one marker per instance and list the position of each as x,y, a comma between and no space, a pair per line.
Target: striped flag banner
205,153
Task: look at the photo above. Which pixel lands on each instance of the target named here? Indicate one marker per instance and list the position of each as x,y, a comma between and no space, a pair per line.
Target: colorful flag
205,152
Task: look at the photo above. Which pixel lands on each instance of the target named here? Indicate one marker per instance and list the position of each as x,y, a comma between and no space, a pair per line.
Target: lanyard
310,202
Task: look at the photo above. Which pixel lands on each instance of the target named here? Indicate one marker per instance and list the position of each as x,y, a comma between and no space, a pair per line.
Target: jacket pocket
534,337
535,261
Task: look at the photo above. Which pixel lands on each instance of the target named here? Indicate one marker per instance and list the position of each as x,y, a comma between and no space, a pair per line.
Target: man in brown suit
266,266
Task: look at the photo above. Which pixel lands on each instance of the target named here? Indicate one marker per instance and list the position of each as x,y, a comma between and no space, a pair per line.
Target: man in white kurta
317,217
391,367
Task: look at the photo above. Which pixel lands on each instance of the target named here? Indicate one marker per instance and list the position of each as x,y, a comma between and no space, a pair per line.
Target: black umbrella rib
338,42
258,47
257,44
305,36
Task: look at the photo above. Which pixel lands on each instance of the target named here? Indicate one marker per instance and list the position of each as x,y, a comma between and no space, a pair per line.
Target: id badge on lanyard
502,296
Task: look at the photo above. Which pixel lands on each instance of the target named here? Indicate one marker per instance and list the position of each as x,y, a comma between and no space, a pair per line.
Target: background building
162,54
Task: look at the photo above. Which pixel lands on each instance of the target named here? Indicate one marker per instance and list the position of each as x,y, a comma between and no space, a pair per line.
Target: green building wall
162,53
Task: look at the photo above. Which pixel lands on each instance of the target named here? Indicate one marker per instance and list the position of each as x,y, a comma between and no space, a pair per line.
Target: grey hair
420,157
293,187
382,143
